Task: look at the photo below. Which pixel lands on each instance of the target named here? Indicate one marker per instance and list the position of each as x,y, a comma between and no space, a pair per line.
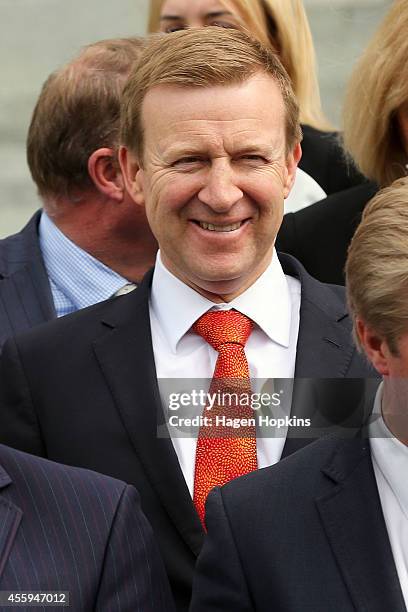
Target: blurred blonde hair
377,265
282,25
377,89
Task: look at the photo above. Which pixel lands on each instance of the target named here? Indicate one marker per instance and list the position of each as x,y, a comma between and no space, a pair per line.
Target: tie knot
220,327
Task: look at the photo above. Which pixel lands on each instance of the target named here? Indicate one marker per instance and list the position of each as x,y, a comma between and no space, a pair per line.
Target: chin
214,273
222,275
221,284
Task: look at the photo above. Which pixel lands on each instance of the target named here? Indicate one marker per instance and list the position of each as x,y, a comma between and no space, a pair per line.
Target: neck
121,239
395,407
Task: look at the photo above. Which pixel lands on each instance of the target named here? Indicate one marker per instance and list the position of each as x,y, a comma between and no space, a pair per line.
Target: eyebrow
197,149
210,15
256,148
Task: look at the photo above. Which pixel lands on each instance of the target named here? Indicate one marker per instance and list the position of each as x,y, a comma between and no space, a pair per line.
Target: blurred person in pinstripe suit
90,240
68,529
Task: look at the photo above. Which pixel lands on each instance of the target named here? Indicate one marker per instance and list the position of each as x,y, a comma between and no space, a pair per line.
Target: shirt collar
390,455
267,302
82,278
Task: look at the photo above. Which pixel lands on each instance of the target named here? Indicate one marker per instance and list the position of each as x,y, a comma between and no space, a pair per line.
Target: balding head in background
71,153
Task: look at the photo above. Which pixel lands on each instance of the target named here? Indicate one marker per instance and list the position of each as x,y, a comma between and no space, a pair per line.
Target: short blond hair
377,265
202,58
78,112
377,89
284,27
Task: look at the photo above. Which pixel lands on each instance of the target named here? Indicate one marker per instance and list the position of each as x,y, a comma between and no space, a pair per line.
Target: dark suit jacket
83,390
306,535
66,529
324,159
319,235
25,293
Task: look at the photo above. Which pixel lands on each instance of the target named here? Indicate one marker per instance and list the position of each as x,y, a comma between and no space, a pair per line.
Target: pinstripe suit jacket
68,529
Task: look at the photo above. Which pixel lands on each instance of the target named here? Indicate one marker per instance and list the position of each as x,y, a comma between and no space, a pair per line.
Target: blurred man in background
90,241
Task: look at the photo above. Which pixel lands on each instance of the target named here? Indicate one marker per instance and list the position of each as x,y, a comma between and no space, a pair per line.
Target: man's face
213,181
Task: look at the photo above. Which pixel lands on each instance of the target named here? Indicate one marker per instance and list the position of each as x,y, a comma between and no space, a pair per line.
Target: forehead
191,8
253,109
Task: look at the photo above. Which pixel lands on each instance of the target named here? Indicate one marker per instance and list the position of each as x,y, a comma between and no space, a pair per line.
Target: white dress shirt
305,191
390,461
272,302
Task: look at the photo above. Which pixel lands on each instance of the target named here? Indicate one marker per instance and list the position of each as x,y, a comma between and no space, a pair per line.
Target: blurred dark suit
25,292
324,159
319,235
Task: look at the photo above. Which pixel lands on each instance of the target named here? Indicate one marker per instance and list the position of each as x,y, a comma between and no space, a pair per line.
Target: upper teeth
220,228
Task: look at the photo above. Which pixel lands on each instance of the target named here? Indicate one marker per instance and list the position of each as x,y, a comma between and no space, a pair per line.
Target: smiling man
213,173
210,143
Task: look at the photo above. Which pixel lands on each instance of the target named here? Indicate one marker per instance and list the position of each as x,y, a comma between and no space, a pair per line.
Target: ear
104,171
132,175
374,346
291,164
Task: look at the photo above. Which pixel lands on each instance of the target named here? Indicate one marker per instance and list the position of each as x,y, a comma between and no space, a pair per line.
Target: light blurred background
37,36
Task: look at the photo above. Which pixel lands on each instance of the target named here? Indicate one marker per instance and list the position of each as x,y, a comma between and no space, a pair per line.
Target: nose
220,190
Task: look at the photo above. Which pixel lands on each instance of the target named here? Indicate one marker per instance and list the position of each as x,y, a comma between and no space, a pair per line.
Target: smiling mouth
232,227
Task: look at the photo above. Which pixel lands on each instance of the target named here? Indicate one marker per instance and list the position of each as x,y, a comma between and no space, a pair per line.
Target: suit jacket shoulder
25,294
18,248
319,235
325,346
70,529
325,160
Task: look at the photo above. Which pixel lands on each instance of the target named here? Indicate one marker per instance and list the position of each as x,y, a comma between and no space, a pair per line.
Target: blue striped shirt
77,279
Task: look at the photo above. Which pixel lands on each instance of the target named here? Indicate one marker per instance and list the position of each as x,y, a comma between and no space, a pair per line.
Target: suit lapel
324,347
133,383
324,352
24,289
26,296
10,517
352,518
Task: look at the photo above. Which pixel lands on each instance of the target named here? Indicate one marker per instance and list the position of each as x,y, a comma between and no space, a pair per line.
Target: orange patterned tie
224,453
